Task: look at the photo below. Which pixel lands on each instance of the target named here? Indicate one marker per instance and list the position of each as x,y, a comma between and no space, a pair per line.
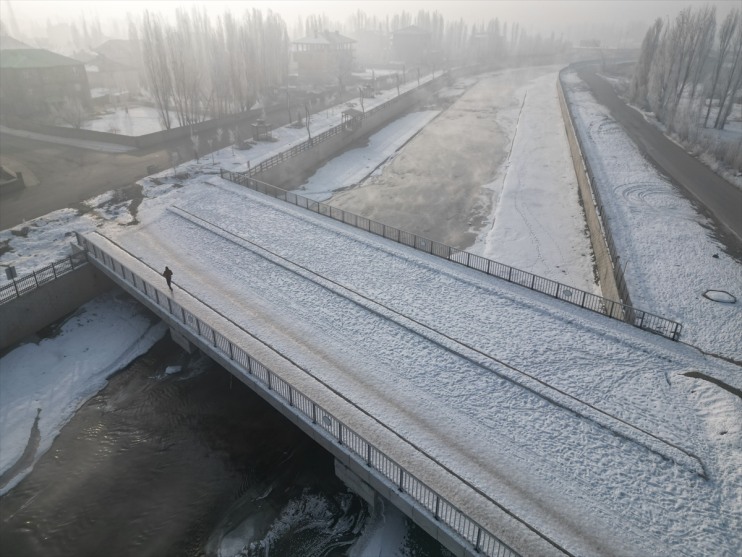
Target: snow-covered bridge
501,420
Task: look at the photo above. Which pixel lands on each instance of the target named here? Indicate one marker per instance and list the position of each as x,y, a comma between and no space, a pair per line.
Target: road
720,198
64,175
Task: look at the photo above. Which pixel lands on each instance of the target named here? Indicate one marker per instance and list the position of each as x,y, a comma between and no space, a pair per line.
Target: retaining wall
27,314
603,259
294,168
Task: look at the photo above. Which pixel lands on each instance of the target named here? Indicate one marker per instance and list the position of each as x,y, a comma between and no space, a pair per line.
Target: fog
617,23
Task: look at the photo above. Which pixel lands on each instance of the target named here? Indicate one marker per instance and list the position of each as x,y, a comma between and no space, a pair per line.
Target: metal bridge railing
19,286
361,450
610,308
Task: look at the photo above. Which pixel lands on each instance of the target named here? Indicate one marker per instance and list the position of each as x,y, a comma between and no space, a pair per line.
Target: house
37,81
325,58
411,45
116,67
9,43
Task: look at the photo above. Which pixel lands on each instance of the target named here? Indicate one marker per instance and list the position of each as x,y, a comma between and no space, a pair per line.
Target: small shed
352,118
261,130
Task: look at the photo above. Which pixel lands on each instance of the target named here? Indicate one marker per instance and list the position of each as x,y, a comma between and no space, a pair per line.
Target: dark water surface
189,464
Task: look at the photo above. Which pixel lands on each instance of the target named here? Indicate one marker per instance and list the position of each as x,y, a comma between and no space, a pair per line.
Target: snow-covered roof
34,58
9,43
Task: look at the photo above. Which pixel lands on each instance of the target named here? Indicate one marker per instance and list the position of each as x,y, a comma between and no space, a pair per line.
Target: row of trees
689,74
458,41
198,68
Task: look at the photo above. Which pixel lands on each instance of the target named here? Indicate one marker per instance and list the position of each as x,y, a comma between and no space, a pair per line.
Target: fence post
437,507
35,279
401,479
340,433
54,270
368,454
479,538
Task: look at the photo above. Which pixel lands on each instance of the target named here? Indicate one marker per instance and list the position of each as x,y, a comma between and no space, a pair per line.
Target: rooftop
34,58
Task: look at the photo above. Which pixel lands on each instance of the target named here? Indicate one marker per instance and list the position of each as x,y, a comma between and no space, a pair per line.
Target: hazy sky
538,16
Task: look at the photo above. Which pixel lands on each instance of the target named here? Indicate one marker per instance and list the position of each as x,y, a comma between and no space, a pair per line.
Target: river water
194,464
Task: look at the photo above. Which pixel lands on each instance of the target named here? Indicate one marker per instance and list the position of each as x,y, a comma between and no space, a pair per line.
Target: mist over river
191,464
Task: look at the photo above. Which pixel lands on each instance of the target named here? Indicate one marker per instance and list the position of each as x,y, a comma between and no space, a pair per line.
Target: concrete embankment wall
27,314
288,174
603,260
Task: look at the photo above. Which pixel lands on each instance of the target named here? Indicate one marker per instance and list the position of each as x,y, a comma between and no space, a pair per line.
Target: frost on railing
365,453
25,284
586,300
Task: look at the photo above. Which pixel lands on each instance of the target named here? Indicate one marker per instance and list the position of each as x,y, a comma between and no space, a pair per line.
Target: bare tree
726,36
157,67
70,111
639,87
698,31
731,83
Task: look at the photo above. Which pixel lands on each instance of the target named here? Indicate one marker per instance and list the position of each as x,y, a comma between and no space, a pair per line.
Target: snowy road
574,422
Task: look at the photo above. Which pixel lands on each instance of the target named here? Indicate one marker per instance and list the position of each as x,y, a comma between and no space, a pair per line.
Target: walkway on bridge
571,421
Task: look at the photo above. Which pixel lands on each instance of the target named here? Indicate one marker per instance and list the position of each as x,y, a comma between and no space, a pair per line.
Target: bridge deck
568,419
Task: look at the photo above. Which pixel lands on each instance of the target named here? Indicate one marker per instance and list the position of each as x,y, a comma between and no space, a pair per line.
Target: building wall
27,91
323,64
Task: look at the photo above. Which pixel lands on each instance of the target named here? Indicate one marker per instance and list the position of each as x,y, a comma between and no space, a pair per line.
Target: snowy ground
670,257
601,484
377,314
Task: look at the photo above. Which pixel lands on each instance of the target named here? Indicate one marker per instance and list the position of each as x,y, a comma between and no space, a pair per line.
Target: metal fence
20,286
361,450
610,308
324,136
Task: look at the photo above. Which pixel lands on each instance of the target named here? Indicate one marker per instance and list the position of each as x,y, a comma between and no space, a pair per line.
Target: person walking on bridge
168,274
